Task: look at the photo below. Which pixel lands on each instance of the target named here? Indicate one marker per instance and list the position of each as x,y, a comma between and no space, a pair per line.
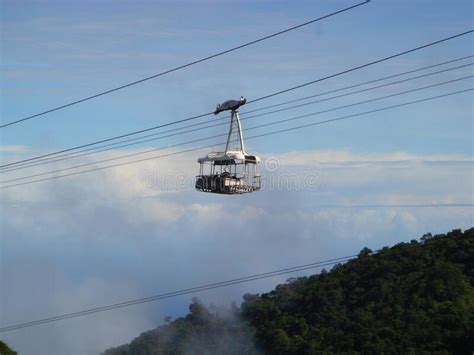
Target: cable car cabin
232,171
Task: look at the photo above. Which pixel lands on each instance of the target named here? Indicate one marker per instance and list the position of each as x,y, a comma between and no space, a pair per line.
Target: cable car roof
229,158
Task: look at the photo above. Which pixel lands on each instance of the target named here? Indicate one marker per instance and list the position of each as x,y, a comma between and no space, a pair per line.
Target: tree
5,349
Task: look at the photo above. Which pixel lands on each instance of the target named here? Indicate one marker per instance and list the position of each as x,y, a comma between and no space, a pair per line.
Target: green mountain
412,298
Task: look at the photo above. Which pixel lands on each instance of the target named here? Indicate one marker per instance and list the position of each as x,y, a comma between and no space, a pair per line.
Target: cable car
232,171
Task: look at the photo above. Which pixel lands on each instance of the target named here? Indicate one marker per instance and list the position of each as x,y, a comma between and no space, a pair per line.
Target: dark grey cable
95,150
179,293
261,98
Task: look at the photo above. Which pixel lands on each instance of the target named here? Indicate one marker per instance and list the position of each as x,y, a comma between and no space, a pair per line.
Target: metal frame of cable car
232,171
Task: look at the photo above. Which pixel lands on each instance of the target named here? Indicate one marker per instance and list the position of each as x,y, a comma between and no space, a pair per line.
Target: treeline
415,297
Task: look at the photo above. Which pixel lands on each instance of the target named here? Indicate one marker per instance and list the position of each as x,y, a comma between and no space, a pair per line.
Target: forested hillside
414,297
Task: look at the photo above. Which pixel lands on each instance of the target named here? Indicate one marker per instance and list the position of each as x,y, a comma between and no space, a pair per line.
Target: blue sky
100,238
54,52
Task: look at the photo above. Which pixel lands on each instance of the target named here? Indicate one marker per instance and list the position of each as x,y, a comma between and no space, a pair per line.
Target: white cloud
333,157
14,149
161,189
